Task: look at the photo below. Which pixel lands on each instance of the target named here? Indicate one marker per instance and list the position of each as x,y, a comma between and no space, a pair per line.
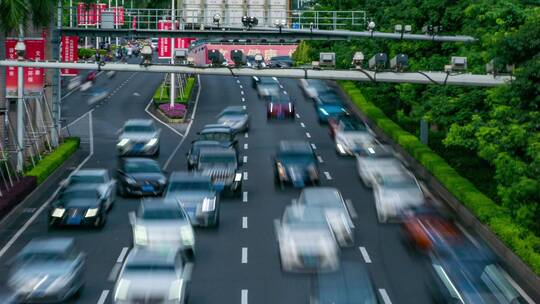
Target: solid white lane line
319,158
302,124
244,222
245,197
384,296
297,115
350,206
308,135
313,147
122,255
114,272
365,254
245,175
246,146
244,296
245,159
244,255
327,175
103,296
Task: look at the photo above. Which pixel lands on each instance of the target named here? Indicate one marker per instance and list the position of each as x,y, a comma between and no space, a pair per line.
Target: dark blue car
329,105
296,164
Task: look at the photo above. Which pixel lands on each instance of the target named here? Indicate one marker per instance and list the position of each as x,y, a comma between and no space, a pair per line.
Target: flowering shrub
176,111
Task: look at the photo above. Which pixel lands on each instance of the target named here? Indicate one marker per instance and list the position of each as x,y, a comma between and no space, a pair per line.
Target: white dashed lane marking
327,175
244,222
302,124
245,159
319,158
365,254
245,175
245,197
103,297
244,296
308,135
246,146
384,296
244,255
313,147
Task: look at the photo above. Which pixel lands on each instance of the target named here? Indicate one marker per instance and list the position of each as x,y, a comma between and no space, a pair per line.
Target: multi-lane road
239,261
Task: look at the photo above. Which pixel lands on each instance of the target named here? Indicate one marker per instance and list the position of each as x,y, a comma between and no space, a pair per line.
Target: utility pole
116,18
56,87
173,27
20,101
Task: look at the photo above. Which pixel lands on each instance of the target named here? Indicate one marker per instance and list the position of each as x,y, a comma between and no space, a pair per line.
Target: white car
151,276
377,160
158,224
138,137
312,87
305,245
352,139
99,178
396,193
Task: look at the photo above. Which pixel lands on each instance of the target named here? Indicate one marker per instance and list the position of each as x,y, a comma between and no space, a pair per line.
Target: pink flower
176,111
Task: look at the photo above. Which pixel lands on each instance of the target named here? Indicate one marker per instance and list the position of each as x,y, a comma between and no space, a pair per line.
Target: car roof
91,172
294,146
239,109
138,160
59,244
216,128
206,143
139,122
158,204
218,151
188,176
319,191
80,186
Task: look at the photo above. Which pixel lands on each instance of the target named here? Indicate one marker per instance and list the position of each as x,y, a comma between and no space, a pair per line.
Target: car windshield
78,195
397,181
352,126
161,214
284,99
141,167
138,129
189,185
137,267
87,179
42,257
217,158
329,98
233,112
296,157
219,136
267,81
326,198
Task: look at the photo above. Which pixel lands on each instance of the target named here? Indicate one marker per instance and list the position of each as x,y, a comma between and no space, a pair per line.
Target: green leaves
13,13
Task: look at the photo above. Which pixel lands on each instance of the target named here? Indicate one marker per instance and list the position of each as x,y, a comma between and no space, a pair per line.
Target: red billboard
118,15
34,78
90,15
69,53
200,53
164,44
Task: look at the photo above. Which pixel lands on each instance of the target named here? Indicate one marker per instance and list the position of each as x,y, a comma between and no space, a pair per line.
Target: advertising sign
34,78
11,72
69,54
118,15
164,44
90,15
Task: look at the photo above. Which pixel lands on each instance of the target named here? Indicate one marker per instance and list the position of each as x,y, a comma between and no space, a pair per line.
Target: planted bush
52,161
176,111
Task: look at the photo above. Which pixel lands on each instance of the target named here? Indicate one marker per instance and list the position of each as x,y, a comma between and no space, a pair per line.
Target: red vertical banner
134,22
69,54
82,14
118,15
11,72
164,43
100,7
34,78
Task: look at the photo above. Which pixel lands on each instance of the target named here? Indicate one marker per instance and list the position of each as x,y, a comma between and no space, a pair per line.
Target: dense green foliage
15,12
490,136
52,161
522,241
162,93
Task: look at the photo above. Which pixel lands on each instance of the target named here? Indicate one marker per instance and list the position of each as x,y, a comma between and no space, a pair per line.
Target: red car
91,76
280,107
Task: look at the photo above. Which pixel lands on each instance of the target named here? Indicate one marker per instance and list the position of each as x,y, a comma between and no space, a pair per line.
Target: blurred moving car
78,205
296,163
140,176
48,270
149,276
74,82
160,224
222,166
266,86
235,117
220,133
375,160
193,154
313,87
138,137
280,106
328,105
396,193
330,200
99,179
97,95
305,245
350,135
91,76
351,284
196,195
281,62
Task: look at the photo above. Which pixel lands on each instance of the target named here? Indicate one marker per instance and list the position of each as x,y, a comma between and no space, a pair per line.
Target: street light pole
116,18
173,27
20,48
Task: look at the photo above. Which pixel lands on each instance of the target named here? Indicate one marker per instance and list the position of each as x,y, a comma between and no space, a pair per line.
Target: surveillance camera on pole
371,26
215,57
458,63
217,19
407,29
378,61
20,49
398,28
238,58
327,60
358,60
181,55
399,63
280,23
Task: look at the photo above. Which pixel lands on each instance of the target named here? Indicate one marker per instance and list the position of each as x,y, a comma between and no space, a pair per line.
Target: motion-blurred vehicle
196,195
110,74
281,62
99,179
97,95
377,159
313,87
296,163
351,284
222,166
329,105
252,63
160,224
91,76
331,201
350,135
150,276
138,137
471,275
48,270
395,194
429,231
266,86
193,154
78,205
305,245
140,176
220,133
280,106
74,82
235,117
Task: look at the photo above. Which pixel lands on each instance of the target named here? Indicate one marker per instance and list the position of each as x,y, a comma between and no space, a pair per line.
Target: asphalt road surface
239,262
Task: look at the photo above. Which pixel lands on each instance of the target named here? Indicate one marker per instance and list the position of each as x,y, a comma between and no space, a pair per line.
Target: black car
281,62
197,145
295,163
140,176
223,134
78,205
222,166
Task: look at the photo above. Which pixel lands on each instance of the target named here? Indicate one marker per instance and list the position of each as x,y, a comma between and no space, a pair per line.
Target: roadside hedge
521,240
52,161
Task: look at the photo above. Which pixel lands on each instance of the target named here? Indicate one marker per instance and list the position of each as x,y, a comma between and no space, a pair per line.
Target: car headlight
281,171
152,142
162,181
122,290
123,142
209,204
186,233
323,111
131,181
58,212
175,291
238,177
139,235
91,212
